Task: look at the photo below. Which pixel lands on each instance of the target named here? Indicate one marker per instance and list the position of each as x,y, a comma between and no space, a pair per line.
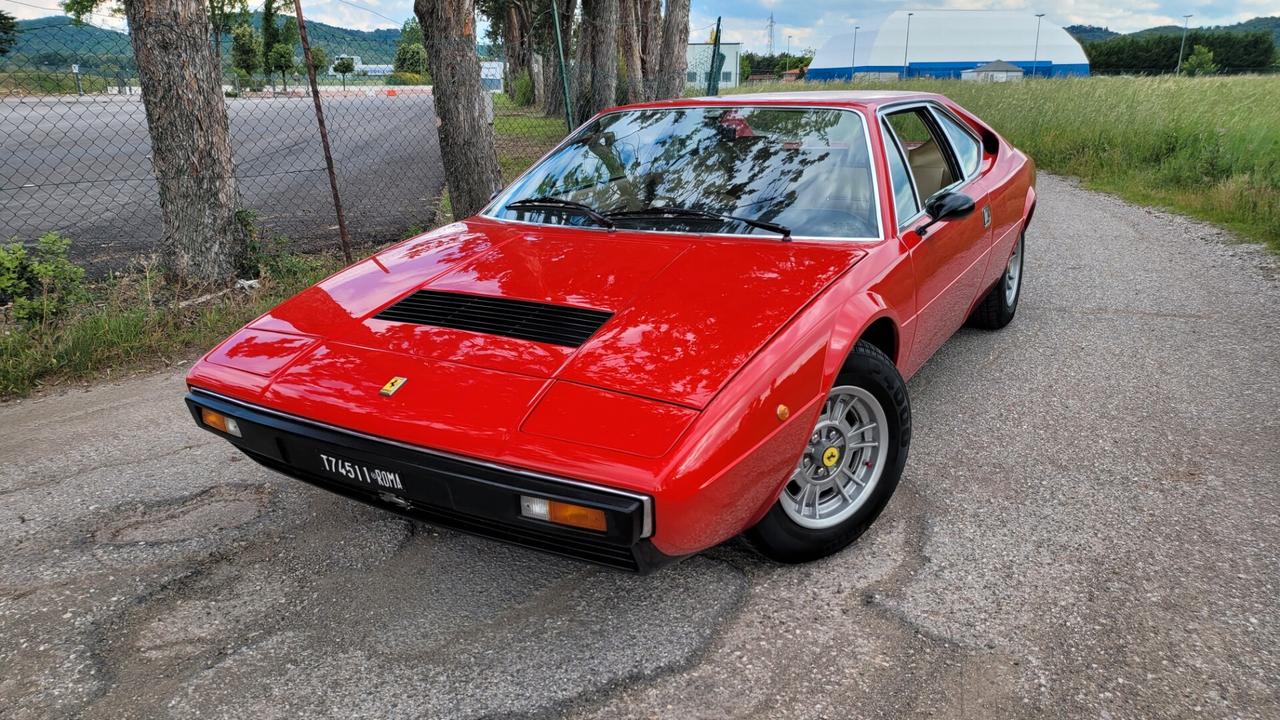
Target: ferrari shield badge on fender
392,386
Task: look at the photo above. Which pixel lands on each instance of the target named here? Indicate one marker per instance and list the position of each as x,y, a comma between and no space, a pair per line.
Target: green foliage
522,89
411,59
246,50
773,65
8,32
1199,62
270,32
41,284
344,66
224,14
1158,52
320,59
411,34
280,59
406,78
289,32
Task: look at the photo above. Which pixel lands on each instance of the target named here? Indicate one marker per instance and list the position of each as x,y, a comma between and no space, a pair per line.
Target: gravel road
1088,527
82,166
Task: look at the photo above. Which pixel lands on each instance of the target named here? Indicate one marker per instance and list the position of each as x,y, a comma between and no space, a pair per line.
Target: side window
968,151
904,193
928,153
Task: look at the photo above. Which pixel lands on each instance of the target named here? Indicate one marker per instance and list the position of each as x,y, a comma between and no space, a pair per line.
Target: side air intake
539,322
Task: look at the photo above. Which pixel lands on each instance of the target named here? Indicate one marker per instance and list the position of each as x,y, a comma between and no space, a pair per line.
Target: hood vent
521,319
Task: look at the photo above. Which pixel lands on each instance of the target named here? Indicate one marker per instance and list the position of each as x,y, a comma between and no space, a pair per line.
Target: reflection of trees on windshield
804,168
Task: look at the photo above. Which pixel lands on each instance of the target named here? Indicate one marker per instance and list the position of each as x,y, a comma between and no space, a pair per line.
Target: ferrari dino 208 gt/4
690,320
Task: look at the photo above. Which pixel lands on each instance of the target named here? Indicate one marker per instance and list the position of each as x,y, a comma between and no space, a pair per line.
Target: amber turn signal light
562,513
220,422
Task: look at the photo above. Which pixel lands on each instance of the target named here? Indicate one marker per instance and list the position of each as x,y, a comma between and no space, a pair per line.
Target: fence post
713,77
564,72
324,133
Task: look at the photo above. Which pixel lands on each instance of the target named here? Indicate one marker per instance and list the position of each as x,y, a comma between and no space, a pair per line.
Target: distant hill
1265,24
1090,33
58,40
60,35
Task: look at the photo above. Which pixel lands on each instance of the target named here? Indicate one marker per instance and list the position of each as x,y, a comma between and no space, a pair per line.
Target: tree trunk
515,43
650,12
597,71
190,144
673,59
629,45
466,138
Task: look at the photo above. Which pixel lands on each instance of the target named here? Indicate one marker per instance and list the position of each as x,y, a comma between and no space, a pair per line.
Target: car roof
838,98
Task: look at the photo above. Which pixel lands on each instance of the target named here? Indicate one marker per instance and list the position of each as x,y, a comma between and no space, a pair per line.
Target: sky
809,22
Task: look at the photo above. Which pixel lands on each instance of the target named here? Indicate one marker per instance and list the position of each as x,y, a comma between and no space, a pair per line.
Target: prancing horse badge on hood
392,386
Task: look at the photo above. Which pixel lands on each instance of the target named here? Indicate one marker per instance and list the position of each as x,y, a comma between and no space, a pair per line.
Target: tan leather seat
930,168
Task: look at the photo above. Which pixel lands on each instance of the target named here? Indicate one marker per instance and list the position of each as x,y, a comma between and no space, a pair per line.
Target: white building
998,71
945,43
698,71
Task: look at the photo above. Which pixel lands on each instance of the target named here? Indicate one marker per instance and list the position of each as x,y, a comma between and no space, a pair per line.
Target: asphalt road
82,166
1088,527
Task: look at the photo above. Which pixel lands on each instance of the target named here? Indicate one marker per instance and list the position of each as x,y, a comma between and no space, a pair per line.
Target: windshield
804,169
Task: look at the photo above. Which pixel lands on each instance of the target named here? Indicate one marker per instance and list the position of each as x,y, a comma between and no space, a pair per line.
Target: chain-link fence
75,151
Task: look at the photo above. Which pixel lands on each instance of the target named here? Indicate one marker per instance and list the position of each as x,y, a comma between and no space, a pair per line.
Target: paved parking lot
82,166
1089,526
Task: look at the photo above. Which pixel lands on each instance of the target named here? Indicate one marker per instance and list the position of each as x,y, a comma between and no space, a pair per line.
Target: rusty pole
324,133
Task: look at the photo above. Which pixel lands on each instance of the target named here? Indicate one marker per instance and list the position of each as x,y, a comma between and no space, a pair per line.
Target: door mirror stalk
945,206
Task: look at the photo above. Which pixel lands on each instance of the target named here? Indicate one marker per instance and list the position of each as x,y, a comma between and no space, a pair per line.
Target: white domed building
945,43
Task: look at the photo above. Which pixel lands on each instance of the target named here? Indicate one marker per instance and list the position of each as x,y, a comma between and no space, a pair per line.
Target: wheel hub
842,462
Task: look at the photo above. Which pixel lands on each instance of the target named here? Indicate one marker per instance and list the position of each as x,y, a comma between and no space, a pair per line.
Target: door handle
986,216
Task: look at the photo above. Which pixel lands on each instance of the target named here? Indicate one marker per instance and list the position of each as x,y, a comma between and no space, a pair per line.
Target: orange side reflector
576,516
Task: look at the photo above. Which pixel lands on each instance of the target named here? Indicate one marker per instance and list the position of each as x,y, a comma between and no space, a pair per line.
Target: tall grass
1208,147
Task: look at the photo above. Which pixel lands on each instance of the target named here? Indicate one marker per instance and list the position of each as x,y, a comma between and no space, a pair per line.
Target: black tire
779,537
995,311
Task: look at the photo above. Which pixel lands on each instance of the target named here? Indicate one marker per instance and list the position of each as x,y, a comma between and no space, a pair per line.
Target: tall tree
596,60
190,142
270,31
246,50
223,16
8,32
411,33
466,138
552,84
672,58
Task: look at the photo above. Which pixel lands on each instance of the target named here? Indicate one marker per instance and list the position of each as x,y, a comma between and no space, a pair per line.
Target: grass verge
1208,147
135,322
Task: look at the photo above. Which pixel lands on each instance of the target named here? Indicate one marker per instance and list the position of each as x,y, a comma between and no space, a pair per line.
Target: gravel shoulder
1089,526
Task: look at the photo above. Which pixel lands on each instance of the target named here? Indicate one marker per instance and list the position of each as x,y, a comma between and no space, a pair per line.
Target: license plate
358,472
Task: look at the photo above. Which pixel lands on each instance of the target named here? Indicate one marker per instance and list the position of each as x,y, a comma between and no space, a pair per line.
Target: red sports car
690,320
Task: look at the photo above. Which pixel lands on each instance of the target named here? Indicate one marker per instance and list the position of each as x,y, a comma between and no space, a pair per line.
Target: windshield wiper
678,212
556,203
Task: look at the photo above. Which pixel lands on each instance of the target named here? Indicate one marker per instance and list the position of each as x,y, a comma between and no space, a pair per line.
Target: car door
949,260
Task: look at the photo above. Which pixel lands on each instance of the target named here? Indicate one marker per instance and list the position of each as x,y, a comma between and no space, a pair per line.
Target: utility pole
1036,57
1186,19
770,26
324,133
906,44
853,63
787,64
564,75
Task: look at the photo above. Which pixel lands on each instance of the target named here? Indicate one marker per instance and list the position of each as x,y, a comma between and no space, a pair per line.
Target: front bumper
451,491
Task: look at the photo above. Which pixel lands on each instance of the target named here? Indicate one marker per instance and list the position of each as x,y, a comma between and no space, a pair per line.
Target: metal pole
1036,57
1186,19
787,63
853,62
713,77
564,74
324,133
906,44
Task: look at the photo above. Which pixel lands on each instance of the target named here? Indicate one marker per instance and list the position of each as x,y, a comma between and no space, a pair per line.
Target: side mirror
945,206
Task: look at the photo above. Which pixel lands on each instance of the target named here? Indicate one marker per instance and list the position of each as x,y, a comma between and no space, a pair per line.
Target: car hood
684,312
